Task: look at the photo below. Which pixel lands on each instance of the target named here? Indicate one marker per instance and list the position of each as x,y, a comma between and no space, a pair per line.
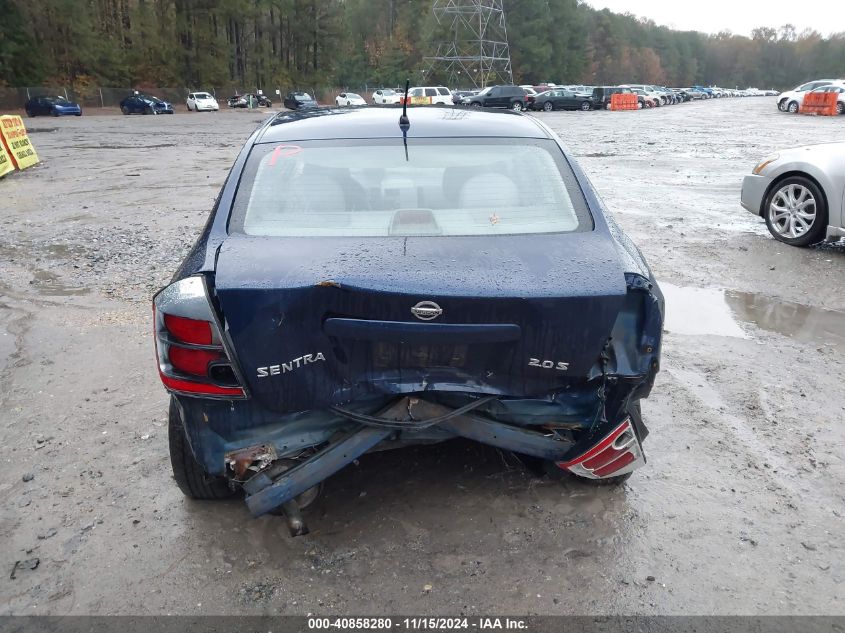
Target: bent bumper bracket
265,493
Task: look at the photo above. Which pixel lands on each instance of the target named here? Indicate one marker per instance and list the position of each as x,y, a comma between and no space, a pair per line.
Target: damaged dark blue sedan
364,284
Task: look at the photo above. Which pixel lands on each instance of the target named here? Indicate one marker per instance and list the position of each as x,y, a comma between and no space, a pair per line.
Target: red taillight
192,361
615,466
618,453
188,330
189,386
603,458
191,356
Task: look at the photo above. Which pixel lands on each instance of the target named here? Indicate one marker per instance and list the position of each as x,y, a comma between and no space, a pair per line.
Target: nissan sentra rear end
364,285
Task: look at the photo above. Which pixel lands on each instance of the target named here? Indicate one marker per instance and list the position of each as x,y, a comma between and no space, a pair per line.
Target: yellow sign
5,161
16,140
420,100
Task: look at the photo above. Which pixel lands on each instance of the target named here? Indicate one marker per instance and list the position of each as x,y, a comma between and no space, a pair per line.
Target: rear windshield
455,186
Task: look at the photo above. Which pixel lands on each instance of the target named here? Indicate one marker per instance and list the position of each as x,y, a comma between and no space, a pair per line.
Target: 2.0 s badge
548,364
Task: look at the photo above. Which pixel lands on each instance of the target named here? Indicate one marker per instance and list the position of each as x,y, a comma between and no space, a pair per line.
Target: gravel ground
737,511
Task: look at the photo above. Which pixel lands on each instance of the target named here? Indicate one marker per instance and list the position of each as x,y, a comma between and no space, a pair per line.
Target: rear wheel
585,105
840,107
516,106
548,106
792,107
124,109
192,480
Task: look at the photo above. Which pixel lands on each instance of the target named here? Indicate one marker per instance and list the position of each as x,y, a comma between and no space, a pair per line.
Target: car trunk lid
322,321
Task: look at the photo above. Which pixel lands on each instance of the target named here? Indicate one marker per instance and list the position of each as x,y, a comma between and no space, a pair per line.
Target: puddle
48,284
699,312
797,321
714,312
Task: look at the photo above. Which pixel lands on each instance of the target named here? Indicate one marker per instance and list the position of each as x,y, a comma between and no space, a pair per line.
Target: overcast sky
738,16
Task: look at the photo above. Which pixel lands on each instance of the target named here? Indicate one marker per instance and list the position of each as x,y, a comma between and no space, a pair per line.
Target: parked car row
545,96
791,100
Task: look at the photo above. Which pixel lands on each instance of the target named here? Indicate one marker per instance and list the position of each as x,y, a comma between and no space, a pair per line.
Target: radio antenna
404,121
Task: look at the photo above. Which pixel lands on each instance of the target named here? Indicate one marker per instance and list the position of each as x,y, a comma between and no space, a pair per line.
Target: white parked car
791,100
798,192
349,99
198,101
433,95
386,96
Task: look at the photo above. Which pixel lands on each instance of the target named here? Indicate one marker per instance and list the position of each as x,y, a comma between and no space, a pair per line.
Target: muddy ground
739,510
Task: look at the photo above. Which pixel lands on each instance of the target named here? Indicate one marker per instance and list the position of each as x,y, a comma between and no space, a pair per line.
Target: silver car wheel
792,211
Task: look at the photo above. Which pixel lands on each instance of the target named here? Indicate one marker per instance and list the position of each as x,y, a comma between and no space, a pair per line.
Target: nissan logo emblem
426,310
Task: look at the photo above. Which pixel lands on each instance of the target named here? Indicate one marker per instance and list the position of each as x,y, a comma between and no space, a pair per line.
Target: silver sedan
799,192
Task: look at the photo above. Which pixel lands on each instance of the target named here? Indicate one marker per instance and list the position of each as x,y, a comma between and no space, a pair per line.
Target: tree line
268,43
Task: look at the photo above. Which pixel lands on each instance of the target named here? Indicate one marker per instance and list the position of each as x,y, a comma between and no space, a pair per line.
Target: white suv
791,100
433,95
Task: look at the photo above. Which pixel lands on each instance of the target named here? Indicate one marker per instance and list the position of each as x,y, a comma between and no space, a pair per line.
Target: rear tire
792,108
516,106
192,480
548,106
124,109
585,105
840,108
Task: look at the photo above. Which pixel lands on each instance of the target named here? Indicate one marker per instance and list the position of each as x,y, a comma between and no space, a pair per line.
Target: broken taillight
192,356
617,454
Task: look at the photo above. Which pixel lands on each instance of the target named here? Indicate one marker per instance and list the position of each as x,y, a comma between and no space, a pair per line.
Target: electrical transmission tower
478,52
